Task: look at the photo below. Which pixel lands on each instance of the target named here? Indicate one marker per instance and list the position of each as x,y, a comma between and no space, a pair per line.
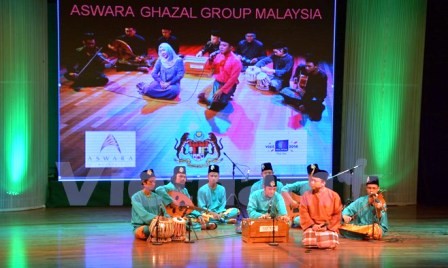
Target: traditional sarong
320,239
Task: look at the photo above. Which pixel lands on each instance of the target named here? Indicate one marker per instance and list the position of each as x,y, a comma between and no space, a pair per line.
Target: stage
102,237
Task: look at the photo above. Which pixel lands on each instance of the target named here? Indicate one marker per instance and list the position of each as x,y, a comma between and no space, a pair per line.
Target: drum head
122,50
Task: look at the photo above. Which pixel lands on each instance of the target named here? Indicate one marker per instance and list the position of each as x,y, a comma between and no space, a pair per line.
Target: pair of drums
168,230
255,76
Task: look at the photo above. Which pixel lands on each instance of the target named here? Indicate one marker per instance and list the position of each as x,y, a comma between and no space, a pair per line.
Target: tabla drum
263,81
165,230
251,74
180,229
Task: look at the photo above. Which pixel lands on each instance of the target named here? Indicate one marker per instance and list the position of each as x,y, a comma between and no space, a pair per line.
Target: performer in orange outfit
320,213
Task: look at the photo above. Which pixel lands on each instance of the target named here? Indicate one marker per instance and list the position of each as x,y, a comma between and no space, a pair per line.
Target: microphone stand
190,226
273,243
351,182
234,165
157,242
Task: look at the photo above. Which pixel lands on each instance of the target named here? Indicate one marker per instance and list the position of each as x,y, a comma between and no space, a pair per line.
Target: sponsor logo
198,149
282,146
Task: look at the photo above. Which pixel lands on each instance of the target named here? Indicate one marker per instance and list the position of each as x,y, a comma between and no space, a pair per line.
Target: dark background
432,171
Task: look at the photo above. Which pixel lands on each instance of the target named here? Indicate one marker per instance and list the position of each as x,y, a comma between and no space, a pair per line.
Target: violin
378,198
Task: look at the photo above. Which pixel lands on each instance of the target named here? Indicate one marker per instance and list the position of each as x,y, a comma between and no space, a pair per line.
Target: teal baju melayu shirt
259,204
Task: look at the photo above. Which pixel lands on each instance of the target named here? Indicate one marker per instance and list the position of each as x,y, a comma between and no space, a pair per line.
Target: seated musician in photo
267,203
228,68
298,188
212,197
309,89
212,45
86,66
146,205
366,212
320,214
177,184
266,169
282,65
250,50
137,58
167,73
169,38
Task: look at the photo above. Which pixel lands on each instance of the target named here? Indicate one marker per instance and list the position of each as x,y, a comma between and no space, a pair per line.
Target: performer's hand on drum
346,218
267,70
253,61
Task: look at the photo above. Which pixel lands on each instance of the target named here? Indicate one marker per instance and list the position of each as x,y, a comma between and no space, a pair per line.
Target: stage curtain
382,83
23,104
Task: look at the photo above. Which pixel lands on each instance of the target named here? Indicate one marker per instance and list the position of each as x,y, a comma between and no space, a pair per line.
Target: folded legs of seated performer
229,216
311,106
213,101
93,79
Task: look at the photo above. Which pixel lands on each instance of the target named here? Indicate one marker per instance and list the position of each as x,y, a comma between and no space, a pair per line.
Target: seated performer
212,197
298,188
228,68
366,212
134,59
266,169
320,214
177,184
309,89
250,50
267,203
87,64
146,205
168,38
212,45
282,62
167,74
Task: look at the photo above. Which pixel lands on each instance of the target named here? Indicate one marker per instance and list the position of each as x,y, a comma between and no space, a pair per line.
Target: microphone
247,174
269,208
161,210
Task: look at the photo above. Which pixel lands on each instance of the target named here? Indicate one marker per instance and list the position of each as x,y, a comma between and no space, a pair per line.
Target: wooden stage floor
102,237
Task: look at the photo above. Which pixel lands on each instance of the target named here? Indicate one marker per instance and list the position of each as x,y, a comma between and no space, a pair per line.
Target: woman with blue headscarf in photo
168,71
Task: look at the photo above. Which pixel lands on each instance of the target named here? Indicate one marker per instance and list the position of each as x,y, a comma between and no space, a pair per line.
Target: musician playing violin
86,66
369,210
212,197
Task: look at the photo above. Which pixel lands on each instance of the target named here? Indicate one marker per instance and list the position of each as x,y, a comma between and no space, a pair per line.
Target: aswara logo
110,149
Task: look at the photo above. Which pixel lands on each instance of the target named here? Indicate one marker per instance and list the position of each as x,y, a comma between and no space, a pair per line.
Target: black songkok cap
266,166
